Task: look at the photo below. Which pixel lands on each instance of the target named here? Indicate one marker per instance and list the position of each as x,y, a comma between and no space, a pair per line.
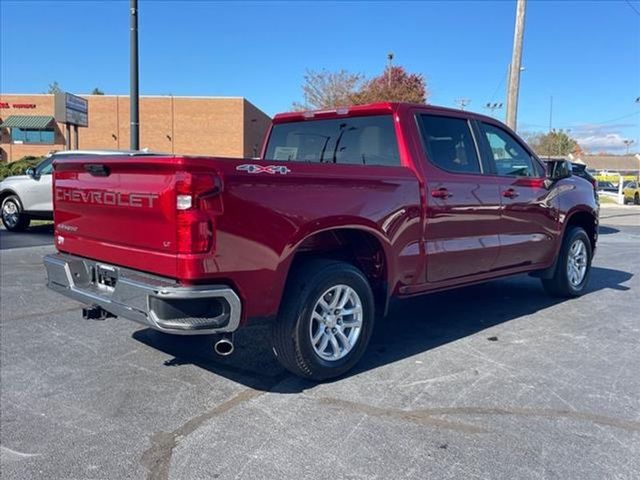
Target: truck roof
379,108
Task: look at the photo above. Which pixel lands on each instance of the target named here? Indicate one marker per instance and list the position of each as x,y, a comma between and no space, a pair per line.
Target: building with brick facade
221,126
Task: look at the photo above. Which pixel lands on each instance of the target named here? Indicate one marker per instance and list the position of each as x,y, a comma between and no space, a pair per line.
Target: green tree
97,91
395,84
554,143
54,88
324,89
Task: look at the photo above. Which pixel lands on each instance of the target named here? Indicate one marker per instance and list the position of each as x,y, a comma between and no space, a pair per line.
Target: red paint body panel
257,221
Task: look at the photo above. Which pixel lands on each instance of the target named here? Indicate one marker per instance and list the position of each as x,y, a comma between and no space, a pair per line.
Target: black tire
291,332
12,204
636,199
560,285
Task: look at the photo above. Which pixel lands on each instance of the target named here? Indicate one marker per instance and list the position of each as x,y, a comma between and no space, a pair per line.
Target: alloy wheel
577,262
336,322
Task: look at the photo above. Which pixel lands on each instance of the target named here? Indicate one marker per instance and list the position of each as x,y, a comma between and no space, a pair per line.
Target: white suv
29,196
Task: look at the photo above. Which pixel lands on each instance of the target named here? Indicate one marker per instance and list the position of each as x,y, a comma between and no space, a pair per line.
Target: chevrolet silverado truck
345,210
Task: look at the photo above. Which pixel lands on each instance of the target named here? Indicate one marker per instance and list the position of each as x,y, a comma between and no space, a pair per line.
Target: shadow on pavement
413,326
35,236
602,230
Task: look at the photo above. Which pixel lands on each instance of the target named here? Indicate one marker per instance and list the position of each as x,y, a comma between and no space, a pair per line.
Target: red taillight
530,182
197,201
195,232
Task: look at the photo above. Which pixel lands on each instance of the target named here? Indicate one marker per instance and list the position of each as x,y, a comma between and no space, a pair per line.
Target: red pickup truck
344,210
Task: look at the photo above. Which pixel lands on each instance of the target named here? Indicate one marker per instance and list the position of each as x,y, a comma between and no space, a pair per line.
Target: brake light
530,182
197,202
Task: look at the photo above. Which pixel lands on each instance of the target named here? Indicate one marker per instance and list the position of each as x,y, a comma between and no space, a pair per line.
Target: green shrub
18,167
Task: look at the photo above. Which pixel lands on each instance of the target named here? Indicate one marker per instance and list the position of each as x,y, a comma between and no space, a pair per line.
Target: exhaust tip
223,347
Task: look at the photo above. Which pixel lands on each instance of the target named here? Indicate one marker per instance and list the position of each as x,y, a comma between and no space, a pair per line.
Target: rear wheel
573,268
13,217
326,320
636,199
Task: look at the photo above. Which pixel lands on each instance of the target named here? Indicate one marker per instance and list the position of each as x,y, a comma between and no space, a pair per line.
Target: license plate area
105,277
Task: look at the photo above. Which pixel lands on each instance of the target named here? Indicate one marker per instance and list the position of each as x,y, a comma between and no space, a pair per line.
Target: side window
449,143
45,167
509,157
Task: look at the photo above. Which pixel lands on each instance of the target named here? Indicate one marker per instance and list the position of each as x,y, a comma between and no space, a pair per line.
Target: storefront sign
71,109
17,105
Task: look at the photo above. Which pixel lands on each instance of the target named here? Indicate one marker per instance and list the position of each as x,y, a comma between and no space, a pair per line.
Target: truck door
463,204
528,218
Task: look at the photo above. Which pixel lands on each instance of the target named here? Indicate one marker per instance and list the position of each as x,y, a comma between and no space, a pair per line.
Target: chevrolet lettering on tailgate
102,197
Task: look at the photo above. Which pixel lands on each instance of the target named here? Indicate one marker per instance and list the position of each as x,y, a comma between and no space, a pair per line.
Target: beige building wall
220,126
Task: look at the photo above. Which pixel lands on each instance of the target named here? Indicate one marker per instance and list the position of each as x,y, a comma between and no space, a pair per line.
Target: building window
32,135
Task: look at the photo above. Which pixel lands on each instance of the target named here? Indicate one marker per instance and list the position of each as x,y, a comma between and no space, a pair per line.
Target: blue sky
584,54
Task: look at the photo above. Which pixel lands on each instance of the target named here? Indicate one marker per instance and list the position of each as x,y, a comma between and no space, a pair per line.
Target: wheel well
588,222
5,194
360,248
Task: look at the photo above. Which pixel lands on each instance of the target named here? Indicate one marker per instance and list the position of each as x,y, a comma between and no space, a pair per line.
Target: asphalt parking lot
492,381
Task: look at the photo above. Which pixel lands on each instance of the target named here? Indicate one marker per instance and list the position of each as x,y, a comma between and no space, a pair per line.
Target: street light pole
514,72
134,93
493,106
628,143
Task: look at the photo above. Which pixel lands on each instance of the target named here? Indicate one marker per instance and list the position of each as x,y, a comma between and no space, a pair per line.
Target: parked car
608,187
345,210
631,192
29,197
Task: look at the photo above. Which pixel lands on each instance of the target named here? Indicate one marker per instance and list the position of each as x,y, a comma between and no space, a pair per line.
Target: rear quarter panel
267,216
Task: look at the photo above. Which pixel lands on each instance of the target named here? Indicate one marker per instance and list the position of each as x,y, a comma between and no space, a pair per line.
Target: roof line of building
126,95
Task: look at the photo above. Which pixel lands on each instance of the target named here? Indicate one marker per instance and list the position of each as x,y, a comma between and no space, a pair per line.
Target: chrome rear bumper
157,302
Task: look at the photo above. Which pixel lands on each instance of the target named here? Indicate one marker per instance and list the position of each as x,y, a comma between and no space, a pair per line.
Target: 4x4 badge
272,169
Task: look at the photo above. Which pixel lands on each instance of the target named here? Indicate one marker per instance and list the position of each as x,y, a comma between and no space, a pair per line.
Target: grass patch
607,199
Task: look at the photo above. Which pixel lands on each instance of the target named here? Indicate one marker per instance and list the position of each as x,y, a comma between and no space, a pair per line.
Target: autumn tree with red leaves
394,85
323,90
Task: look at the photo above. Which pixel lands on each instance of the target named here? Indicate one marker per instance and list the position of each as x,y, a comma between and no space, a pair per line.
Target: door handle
441,193
510,193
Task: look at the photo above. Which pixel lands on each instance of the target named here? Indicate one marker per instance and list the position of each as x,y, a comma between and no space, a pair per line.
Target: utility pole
389,66
550,112
462,102
134,93
513,88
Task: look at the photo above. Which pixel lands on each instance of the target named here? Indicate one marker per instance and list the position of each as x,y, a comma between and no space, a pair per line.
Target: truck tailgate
122,210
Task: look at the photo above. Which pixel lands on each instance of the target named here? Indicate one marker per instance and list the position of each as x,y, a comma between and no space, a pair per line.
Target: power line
633,7
502,79
588,124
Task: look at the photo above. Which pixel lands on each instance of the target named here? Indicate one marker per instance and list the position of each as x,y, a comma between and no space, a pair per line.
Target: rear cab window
367,140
